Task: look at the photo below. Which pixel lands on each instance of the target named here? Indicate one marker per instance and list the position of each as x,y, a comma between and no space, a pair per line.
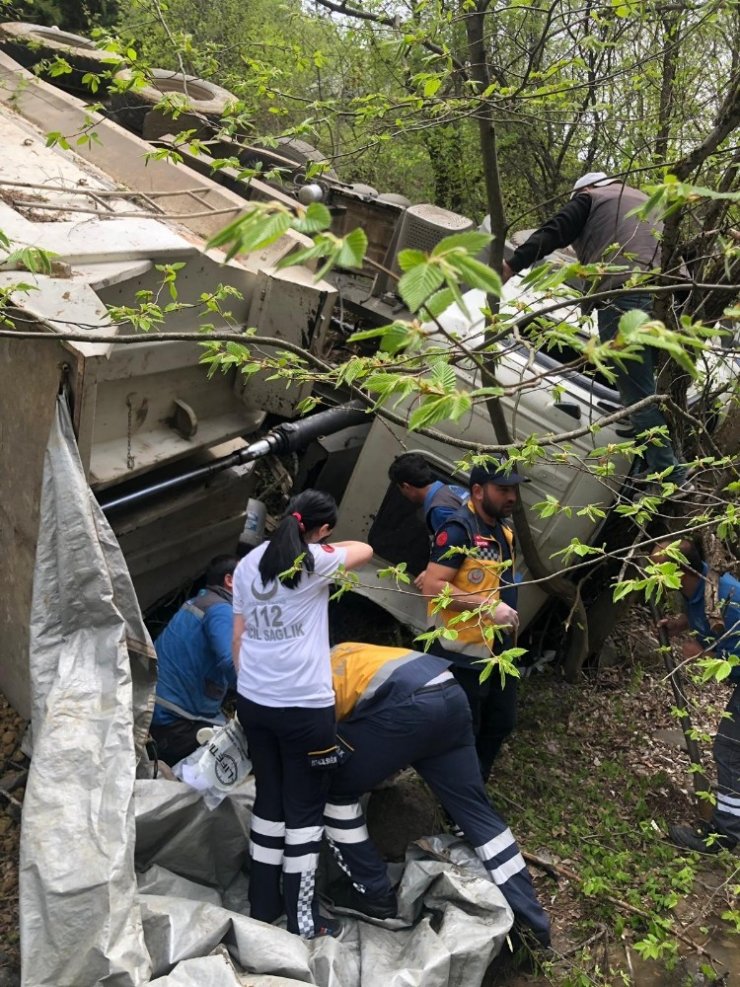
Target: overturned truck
167,450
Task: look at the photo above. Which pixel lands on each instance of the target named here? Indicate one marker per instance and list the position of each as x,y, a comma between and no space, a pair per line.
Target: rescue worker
599,223
194,668
472,559
415,481
285,704
397,708
712,615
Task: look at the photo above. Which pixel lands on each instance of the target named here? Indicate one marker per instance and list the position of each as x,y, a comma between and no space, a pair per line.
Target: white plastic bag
216,768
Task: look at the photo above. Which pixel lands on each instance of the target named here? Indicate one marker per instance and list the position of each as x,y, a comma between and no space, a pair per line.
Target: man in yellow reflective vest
396,708
473,563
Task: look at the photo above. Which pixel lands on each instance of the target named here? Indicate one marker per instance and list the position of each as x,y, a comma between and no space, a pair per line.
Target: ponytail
306,512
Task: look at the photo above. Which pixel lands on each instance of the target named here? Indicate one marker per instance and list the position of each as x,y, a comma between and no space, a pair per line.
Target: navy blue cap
494,472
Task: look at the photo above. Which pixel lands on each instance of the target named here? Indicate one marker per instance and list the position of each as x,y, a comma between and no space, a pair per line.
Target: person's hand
506,616
419,581
674,625
691,649
506,272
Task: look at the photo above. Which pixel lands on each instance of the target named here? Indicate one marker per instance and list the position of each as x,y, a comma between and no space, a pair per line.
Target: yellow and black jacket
365,674
485,571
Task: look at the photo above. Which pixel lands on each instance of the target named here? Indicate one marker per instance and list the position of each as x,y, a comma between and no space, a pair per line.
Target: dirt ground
588,784
12,778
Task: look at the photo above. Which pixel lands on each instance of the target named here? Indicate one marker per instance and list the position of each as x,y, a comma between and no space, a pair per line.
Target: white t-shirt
284,655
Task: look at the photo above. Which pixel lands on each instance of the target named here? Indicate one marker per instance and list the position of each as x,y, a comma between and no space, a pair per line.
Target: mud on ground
589,783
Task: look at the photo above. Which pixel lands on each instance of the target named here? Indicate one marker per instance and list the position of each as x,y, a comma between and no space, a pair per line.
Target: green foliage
717,668
660,577
32,259
448,264
347,252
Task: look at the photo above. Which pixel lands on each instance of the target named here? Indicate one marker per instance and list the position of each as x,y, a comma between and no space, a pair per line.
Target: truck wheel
395,199
303,153
30,44
134,108
360,188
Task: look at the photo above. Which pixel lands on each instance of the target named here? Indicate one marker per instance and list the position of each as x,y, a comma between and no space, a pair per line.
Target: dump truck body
140,411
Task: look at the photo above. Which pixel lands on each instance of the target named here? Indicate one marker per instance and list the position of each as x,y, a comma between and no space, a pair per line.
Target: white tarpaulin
127,882
92,672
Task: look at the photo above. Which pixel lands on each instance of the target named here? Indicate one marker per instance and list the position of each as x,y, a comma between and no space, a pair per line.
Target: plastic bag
216,768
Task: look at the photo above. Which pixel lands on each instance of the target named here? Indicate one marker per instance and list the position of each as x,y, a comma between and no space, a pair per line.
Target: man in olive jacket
599,224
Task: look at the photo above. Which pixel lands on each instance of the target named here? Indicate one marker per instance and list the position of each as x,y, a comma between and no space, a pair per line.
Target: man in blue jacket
712,616
195,669
415,480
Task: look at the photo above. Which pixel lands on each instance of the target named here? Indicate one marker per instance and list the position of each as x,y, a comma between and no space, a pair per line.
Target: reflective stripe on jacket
364,674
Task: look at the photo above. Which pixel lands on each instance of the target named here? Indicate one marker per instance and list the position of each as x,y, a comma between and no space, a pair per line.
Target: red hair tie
299,519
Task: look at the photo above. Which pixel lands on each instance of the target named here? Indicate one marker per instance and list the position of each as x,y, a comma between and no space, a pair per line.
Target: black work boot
701,837
385,907
347,896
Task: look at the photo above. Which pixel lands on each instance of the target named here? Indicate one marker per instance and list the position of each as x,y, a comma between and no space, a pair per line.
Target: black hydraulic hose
288,437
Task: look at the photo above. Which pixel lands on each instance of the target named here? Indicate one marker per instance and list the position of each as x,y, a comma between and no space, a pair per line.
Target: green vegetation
495,110
586,784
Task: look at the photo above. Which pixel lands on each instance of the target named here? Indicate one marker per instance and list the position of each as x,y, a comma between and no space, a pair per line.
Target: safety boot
701,837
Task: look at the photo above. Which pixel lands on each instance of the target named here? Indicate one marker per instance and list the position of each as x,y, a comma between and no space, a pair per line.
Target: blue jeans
637,381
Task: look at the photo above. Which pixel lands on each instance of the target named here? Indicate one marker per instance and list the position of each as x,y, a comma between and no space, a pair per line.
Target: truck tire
303,153
395,199
30,44
360,188
134,108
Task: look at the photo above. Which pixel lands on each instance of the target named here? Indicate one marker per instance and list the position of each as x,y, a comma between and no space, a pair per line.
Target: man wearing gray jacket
599,224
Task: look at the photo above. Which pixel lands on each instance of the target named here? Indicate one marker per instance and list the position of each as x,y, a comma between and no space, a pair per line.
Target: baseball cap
494,472
592,178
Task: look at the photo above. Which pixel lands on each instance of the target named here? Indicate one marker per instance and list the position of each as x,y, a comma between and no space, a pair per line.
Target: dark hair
411,468
309,510
219,568
691,549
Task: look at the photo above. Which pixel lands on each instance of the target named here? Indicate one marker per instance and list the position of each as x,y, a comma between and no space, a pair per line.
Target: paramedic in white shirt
285,704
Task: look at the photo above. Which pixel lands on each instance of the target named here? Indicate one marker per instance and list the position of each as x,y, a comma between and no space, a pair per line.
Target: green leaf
353,249
438,303
432,85
258,235
396,337
472,242
547,507
431,411
478,275
315,219
410,258
443,375
261,226
621,590
632,320
419,283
